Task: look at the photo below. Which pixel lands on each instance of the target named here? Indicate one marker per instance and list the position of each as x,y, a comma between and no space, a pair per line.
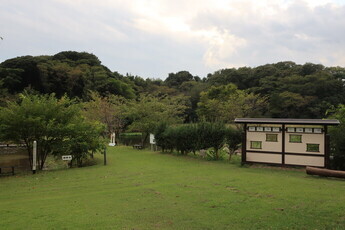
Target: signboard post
152,141
68,158
112,139
105,155
34,157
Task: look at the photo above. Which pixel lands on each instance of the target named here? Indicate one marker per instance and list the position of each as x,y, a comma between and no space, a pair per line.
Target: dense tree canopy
70,73
288,89
148,112
226,102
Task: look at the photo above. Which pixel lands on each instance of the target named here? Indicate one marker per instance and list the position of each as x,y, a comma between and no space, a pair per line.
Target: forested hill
70,73
283,89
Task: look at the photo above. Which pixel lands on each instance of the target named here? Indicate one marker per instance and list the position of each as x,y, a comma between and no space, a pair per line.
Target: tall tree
148,112
225,103
52,122
338,138
108,110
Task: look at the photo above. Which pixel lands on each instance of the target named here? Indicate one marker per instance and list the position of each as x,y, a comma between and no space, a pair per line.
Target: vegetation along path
140,189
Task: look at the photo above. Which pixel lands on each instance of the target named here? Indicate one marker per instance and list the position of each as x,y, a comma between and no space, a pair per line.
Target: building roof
287,121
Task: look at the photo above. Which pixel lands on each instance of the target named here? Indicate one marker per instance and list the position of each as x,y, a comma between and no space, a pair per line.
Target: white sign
291,130
152,139
317,130
268,129
308,130
275,129
260,129
299,130
251,128
67,157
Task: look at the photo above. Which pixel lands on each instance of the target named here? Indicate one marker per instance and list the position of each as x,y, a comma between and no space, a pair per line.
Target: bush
338,140
192,137
233,140
212,155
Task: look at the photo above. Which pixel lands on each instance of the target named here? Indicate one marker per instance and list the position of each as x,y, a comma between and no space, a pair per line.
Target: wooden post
105,155
283,144
34,156
244,145
327,151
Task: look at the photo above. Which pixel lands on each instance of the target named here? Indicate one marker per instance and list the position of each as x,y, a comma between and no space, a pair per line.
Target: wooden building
300,142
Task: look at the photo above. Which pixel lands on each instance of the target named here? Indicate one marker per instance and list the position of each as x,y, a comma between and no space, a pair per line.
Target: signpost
112,140
68,158
152,141
105,155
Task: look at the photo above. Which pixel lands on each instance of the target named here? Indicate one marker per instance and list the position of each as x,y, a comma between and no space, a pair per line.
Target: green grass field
139,189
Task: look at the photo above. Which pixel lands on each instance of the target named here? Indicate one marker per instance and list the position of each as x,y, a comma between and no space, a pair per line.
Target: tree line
283,89
131,103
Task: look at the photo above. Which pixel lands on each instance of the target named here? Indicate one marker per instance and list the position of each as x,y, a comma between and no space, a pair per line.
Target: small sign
276,129
317,130
251,128
299,130
308,130
260,129
291,130
67,157
268,129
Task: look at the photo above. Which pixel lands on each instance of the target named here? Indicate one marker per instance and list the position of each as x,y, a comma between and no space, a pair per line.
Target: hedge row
193,137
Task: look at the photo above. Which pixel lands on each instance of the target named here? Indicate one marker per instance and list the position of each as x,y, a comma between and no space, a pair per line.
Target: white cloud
154,37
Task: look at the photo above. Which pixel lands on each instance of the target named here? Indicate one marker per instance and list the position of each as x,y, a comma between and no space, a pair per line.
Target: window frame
318,147
272,134
252,142
290,141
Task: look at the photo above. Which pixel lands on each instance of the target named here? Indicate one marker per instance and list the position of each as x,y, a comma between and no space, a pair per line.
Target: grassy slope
146,190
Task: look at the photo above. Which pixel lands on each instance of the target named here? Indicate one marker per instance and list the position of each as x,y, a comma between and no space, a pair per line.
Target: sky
152,38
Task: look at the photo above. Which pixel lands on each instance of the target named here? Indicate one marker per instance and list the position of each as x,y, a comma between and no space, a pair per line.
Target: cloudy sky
152,38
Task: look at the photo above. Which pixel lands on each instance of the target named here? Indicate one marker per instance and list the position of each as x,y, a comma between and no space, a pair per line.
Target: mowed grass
140,189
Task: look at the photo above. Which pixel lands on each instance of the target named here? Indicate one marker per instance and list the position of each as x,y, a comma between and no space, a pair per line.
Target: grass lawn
139,189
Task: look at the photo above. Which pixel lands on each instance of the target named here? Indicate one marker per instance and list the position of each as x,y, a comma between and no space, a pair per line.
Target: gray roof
287,121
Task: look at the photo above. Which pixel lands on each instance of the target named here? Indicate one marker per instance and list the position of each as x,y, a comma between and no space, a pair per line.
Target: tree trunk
144,140
230,155
217,154
325,172
28,147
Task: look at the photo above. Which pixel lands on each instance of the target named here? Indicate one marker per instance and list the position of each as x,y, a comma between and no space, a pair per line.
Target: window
295,138
272,137
255,144
313,147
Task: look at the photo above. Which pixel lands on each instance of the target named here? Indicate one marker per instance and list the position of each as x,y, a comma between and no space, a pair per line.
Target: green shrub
212,155
192,137
233,140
